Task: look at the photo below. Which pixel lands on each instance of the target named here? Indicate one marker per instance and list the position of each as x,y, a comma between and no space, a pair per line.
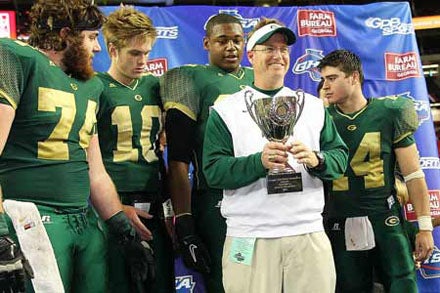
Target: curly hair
126,23
48,17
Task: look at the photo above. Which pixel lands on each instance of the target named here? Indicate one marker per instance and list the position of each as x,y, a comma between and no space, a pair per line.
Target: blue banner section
382,34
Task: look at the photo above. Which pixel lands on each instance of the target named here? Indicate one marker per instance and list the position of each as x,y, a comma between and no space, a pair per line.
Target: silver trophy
276,117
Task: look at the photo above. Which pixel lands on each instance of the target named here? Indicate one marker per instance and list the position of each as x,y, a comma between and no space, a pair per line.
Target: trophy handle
249,100
300,102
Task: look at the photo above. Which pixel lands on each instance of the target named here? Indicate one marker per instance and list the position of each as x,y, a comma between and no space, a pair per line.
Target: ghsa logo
430,268
247,23
185,284
422,107
308,63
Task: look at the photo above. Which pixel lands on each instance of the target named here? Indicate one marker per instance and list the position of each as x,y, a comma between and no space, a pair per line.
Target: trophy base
282,182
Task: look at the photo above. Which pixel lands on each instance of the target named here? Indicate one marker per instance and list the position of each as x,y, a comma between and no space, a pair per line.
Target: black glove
15,270
195,255
138,254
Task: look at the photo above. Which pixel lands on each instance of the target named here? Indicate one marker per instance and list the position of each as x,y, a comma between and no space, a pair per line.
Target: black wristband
184,226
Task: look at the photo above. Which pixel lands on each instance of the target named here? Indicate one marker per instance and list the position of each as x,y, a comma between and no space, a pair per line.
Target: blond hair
126,23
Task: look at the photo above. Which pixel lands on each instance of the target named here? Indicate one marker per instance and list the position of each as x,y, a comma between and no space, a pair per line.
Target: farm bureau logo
157,66
401,66
307,64
185,284
316,23
423,108
167,32
430,268
247,23
391,26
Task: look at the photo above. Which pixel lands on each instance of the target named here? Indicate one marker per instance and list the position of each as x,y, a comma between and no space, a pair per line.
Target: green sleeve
334,149
222,170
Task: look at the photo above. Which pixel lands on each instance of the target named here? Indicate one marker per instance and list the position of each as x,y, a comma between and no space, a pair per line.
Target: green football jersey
44,160
371,135
193,89
129,123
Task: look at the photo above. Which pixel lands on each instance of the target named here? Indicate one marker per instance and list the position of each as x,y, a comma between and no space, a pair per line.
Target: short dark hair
220,18
346,61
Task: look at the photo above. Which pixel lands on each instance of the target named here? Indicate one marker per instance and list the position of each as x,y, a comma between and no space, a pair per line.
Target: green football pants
211,228
79,245
391,258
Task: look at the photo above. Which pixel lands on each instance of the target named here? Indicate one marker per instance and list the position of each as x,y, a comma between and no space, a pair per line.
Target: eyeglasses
272,50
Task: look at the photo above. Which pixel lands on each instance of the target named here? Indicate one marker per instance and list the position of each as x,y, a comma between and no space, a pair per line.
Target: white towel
35,245
359,234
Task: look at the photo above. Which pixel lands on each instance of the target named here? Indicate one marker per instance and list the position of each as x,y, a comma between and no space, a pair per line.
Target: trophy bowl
276,117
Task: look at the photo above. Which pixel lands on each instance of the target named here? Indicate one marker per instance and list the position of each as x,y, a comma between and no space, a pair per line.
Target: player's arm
407,158
180,131
121,220
7,115
14,268
181,100
103,193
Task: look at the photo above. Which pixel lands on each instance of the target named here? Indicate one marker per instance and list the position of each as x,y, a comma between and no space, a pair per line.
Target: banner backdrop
382,34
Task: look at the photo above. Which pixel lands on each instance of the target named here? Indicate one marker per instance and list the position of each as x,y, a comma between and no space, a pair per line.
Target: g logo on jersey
392,221
185,284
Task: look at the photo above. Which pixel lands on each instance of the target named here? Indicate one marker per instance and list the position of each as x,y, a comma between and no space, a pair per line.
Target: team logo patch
392,221
74,86
351,127
185,284
138,98
430,268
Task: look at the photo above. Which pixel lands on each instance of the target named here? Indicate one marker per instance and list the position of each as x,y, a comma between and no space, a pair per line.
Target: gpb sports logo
423,108
308,63
247,23
167,32
430,268
185,284
391,26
